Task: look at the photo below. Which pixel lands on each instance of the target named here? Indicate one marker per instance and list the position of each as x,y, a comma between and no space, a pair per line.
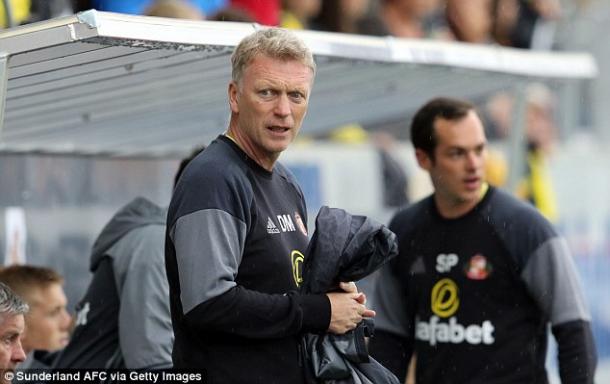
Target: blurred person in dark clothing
395,180
231,14
401,18
526,24
341,15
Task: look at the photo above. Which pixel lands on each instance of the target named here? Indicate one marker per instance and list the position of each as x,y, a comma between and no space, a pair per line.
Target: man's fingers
349,287
347,308
368,313
360,298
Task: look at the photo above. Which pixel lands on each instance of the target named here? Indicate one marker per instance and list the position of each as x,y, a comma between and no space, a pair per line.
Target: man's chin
278,146
468,198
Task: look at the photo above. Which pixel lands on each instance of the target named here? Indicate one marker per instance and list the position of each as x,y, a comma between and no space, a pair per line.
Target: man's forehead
290,83
466,131
11,323
459,142
48,294
262,60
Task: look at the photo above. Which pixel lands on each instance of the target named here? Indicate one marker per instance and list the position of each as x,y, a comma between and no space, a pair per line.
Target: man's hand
347,309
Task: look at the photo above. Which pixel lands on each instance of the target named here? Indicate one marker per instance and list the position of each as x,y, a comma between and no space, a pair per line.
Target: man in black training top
236,231
480,274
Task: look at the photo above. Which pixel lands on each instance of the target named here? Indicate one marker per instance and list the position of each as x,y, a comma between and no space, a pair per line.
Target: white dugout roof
108,84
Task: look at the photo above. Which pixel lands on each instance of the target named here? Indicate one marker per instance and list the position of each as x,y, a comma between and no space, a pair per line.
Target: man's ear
423,159
233,91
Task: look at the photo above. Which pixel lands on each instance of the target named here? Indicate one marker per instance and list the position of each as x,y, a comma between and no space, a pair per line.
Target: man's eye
265,92
296,95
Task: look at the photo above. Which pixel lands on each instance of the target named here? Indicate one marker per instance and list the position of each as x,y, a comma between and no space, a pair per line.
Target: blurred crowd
515,23
528,24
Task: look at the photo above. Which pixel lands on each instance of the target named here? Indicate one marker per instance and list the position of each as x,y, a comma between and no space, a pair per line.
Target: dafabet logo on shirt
444,298
444,303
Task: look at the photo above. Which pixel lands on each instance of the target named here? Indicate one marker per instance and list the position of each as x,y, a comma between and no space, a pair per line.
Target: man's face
269,105
457,170
11,352
47,322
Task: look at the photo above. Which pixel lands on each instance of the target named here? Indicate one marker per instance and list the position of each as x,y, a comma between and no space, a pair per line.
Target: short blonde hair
275,43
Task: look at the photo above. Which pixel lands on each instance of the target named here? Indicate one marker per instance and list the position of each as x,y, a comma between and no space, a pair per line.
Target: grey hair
10,303
275,43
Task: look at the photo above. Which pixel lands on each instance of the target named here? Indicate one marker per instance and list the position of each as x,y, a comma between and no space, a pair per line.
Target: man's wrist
316,313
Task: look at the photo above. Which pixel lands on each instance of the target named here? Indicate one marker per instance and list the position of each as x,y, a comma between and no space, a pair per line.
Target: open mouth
278,129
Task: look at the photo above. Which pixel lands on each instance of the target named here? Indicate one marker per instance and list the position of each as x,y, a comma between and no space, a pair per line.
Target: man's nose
66,320
473,160
282,106
17,353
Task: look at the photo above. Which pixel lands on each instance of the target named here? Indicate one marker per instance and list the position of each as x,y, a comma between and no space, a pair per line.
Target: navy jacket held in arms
344,248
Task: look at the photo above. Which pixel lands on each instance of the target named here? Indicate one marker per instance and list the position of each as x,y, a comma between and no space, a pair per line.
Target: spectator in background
480,275
537,185
12,326
48,9
29,11
296,14
19,13
470,21
341,15
123,320
231,14
265,12
47,322
394,177
515,23
505,14
526,24
138,7
178,9
540,132
540,122
401,18
395,182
